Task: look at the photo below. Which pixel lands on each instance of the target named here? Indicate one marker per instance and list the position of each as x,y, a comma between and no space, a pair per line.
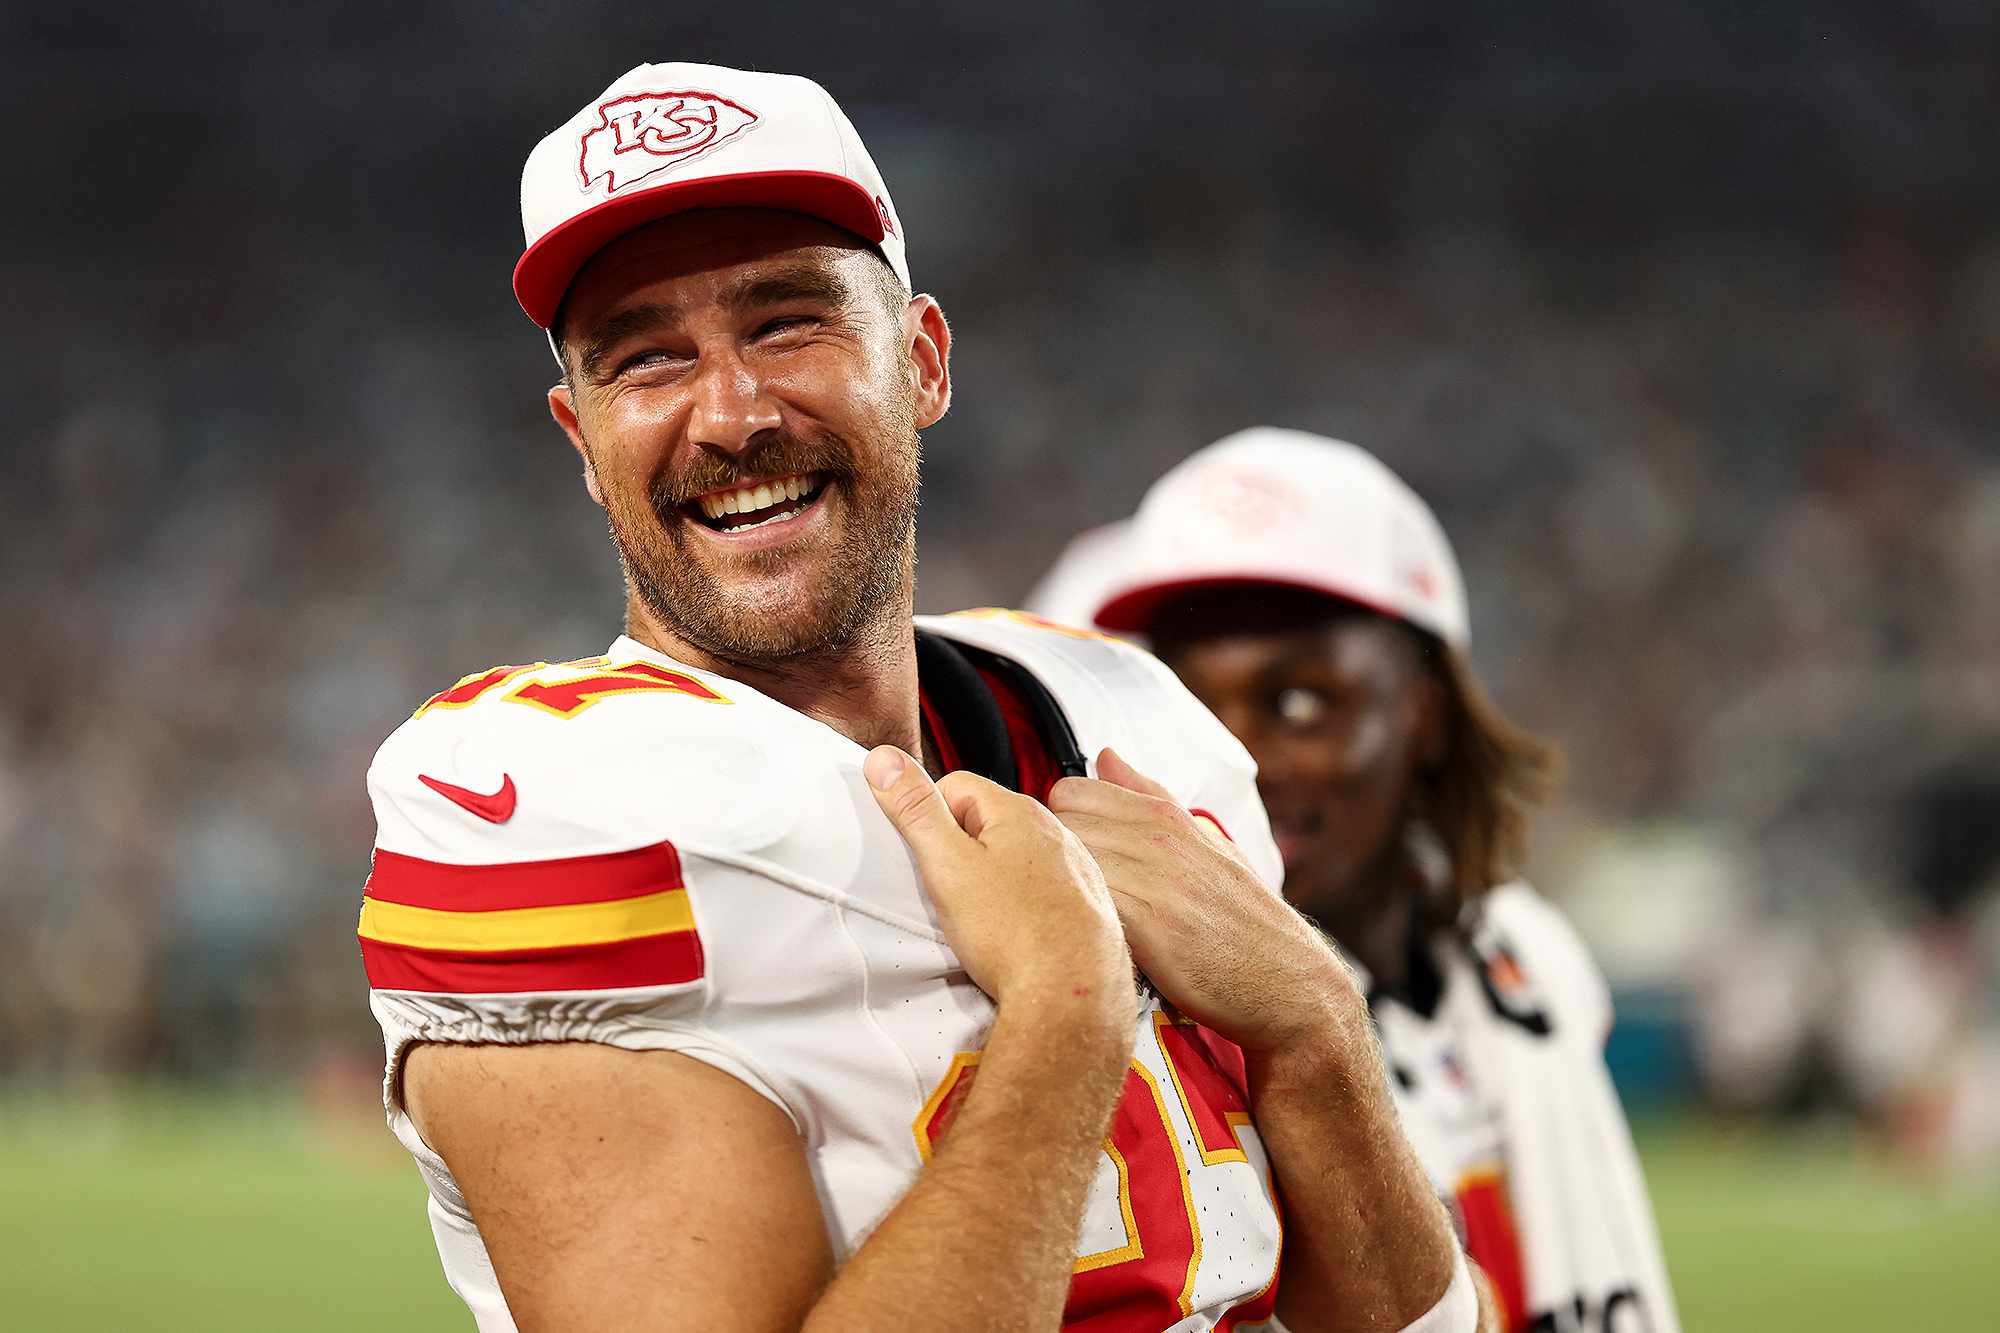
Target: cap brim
545,271
1134,610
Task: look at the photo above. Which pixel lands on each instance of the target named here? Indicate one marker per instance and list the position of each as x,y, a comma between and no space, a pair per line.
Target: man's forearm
1367,1244
986,1237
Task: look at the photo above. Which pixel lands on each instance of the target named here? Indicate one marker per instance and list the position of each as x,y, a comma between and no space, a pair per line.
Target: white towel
1532,1012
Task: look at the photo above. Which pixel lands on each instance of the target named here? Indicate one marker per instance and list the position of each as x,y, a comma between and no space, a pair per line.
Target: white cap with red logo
666,138
1269,506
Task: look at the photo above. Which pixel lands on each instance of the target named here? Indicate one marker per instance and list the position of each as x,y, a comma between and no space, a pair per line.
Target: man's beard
870,564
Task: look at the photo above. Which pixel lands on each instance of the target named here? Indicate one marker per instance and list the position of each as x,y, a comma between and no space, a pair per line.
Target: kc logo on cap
1292,510
642,134
667,138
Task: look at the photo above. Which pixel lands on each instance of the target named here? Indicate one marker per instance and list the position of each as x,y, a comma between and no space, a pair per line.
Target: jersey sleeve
516,894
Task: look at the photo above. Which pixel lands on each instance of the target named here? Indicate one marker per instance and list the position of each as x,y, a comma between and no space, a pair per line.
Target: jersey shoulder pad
534,825
1551,957
1115,693
1106,685
580,758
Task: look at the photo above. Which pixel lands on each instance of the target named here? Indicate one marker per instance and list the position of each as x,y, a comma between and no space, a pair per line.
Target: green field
164,1211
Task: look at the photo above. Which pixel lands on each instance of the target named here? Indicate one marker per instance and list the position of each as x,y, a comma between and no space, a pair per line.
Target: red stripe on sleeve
652,960
396,878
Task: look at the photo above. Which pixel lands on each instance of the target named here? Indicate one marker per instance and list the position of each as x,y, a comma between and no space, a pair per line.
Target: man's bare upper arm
622,1189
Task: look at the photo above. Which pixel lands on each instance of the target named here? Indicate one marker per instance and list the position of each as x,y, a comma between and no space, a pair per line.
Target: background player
671,1023
1310,598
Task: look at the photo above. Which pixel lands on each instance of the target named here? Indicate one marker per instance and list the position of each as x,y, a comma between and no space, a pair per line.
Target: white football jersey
1493,1045
631,851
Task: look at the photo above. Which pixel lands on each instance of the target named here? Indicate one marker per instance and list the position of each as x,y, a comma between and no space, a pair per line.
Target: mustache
771,455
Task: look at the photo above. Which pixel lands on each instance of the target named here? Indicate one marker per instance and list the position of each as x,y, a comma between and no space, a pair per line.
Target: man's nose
730,406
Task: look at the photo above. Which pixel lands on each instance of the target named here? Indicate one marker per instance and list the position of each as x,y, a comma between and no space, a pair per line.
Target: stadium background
1687,321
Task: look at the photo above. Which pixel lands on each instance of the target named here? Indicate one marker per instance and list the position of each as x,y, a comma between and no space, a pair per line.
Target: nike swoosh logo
493,807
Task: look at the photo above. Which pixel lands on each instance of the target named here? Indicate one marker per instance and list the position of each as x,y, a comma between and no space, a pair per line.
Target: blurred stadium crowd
1689,326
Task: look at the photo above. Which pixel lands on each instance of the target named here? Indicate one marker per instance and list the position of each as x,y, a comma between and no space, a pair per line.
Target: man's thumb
1113,768
910,799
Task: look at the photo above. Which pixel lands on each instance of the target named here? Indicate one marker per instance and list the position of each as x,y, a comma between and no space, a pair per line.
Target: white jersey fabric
631,851
1495,1052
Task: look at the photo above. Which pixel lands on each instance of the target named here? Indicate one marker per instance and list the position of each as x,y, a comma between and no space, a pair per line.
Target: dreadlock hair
1480,795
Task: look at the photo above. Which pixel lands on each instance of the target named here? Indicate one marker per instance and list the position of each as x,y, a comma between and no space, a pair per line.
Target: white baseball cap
1072,590
1269,506
666,138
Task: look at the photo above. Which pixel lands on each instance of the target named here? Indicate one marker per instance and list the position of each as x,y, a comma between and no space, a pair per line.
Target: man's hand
1367,1246
1028,913
1223,948
619,1189
1021,901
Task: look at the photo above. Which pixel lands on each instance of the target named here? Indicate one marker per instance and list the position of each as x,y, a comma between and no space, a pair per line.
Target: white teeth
749,498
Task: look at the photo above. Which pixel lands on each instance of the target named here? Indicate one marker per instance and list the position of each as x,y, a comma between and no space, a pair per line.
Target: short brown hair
1480,796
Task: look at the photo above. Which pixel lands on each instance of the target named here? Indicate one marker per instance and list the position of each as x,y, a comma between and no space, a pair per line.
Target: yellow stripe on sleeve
568,926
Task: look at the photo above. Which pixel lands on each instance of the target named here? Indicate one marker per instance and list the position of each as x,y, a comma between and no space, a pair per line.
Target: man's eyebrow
815,285
615,328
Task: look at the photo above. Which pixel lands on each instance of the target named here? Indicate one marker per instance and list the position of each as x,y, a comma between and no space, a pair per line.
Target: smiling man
774,969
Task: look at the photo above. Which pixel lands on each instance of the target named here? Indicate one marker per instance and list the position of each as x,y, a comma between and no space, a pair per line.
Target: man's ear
929,341
562,406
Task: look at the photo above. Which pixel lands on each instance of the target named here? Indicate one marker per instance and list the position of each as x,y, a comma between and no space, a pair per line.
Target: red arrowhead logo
493,807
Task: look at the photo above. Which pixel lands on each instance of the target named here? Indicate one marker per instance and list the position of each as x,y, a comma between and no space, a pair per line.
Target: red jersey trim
415,882
653,960
1209,815
939,733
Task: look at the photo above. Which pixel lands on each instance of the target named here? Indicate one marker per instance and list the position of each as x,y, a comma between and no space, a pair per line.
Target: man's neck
1371,921
866,689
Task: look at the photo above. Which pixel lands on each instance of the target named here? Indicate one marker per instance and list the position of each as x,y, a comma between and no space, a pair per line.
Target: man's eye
784,324
1301,707
647,360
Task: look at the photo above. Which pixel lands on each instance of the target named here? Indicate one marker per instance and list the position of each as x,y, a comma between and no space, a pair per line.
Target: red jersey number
1148,1281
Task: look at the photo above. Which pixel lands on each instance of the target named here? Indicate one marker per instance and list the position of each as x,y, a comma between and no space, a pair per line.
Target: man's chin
750,633
1324,889
777,594
769,620
763,644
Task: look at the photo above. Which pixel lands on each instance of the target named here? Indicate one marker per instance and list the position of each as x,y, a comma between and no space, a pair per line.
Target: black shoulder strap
978,728
1051,723
950,675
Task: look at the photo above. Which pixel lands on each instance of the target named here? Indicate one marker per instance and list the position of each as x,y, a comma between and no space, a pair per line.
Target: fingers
933,817
1113,800
1104,833
1112,768
973,800
1213,831
911,800
1089,796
